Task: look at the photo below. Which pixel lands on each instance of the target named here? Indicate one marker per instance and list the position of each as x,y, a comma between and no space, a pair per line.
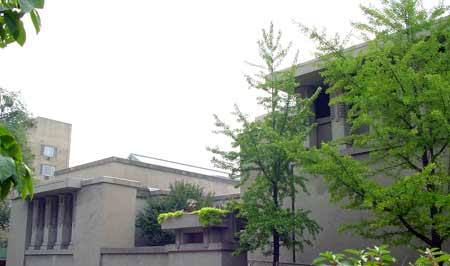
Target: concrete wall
150,175
49,259
145,256
52,133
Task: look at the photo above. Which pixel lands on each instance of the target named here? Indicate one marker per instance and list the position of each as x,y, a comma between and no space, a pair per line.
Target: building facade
49,141
151,175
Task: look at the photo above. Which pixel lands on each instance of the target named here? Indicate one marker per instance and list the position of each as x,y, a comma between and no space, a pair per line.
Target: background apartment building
49,141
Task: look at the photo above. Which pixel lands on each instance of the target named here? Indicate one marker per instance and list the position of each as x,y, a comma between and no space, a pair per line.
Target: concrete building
49,141
91,222
156,175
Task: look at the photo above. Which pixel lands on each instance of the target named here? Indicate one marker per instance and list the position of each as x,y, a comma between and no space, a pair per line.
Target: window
321,107
47,170
193,238
48,151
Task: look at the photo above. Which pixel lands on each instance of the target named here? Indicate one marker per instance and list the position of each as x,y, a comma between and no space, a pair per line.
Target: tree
177,199
263,152
14,173
398,86
17,120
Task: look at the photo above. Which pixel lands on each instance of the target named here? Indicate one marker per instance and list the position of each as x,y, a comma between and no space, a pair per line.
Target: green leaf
15,26
7,168
26,6
36,19
37,3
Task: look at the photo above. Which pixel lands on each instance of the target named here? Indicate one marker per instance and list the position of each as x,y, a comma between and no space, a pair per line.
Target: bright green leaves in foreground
379,256
14,173
12,13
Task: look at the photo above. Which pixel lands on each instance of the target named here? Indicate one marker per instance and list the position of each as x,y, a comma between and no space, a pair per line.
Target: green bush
379,256
177,199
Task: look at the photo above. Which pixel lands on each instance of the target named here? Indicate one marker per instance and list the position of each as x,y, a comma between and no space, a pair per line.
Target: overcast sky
146,76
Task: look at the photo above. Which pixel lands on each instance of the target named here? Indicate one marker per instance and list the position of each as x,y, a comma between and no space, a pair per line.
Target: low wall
139,256
48,258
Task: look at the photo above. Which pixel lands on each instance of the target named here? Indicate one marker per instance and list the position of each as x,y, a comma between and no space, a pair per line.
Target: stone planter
189,221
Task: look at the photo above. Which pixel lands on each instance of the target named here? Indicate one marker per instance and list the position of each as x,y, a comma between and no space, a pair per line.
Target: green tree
177,198
398,86
263,152
14,173
4,223
17,120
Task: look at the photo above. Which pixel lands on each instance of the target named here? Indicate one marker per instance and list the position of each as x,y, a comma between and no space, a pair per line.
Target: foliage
181,192
207,216
14,173
210,216
398,86
11,14
263,152
17,120
164,216
378,256
177,198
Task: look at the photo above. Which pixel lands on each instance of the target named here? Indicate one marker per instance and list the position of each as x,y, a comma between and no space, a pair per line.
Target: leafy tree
398,86
14,173
17,120
177,199
264,151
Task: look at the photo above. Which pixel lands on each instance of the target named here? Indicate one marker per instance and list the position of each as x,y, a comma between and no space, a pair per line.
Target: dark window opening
193,238
321,107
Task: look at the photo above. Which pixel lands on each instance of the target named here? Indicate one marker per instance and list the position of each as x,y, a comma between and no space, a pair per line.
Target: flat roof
161,168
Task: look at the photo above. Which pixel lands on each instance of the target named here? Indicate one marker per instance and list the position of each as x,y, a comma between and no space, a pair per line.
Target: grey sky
146,76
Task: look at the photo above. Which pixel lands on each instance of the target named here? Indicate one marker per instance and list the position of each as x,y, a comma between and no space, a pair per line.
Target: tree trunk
276,248
275,234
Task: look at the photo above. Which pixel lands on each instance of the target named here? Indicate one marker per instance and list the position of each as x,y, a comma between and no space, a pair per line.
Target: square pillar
37,231
47,218
60,221
29,225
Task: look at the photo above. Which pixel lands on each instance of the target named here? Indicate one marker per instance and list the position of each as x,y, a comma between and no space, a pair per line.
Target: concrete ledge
110,180
187,221
58,185
135,250
44,252
200,247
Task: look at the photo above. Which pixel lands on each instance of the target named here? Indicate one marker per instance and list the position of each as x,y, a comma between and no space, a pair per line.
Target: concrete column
17,232
47,223
29,225
60,225
105,217
70,225
338,121
37,223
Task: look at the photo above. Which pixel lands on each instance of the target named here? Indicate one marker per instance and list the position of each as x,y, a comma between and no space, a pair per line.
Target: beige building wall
150,175
46,136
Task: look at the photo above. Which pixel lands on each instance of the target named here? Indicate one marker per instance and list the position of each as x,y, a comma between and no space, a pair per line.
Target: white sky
146,76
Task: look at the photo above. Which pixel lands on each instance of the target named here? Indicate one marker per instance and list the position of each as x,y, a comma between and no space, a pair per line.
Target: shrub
177,199
379,256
